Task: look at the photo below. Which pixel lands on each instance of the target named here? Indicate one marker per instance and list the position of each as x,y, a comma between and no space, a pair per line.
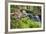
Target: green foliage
24,23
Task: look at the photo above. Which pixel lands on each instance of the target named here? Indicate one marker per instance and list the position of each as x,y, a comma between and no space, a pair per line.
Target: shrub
24,23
